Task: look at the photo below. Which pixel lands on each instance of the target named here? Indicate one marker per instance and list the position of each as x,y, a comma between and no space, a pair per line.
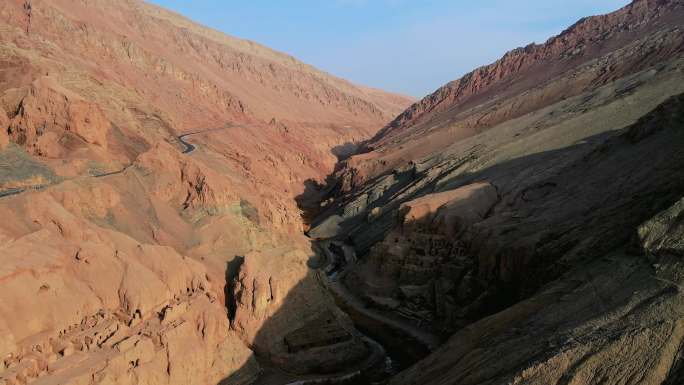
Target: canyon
185,207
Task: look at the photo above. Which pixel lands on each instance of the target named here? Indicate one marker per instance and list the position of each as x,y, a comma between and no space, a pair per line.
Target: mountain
529,214
592,53
148,174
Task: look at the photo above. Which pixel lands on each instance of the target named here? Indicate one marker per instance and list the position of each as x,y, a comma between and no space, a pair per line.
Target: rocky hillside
594,52
148,170
530,212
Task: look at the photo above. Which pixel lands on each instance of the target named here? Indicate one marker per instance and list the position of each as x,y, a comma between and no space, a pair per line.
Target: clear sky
406,46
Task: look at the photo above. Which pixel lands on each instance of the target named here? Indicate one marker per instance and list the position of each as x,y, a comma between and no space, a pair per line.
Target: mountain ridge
518,60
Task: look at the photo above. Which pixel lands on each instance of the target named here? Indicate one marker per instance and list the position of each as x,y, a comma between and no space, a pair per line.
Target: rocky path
189,147
377,364
428,340
378,360
335,285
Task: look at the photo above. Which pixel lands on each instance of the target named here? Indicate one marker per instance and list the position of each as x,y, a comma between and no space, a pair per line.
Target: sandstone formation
530,211
118,240
48,113
86,303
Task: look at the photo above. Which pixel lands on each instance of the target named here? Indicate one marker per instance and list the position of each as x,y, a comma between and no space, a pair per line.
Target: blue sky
405,46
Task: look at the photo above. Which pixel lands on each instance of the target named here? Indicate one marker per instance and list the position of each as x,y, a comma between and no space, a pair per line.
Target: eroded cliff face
515,211
614,319
89,304
141,157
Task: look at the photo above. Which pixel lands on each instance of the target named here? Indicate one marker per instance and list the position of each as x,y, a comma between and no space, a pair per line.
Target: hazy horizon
401,46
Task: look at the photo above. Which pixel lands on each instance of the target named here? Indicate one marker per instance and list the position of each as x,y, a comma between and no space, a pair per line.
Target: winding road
334,284
374,362
189,147
329,276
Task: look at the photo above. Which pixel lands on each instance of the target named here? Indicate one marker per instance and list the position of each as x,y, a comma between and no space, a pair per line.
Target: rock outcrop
613,320
662,235
49,113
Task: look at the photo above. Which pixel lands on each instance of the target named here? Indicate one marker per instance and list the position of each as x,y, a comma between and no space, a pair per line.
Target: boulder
451,210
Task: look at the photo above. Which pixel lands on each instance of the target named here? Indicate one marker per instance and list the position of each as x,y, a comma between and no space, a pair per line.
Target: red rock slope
117,249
